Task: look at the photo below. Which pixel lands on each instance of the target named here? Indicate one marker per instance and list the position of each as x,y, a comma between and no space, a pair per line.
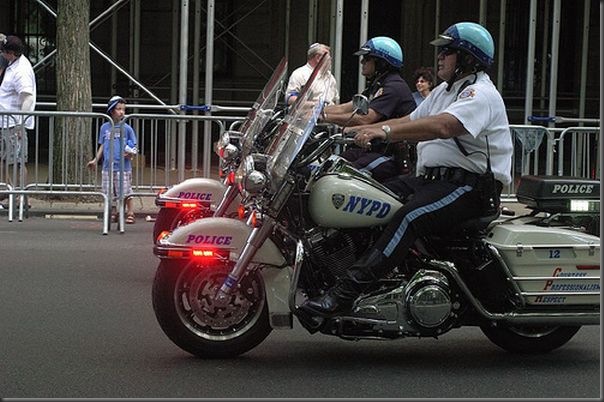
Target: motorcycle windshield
299,123
263,107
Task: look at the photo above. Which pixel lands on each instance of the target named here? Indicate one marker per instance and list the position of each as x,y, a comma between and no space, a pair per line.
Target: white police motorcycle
223,284
200,197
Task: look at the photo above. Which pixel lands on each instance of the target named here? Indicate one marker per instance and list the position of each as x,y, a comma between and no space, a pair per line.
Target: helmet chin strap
456,75
460,68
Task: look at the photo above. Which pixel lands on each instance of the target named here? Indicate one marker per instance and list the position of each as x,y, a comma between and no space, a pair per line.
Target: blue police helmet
384,48
471,38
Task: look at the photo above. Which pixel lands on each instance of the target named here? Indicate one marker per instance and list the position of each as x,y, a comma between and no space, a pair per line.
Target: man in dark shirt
389,97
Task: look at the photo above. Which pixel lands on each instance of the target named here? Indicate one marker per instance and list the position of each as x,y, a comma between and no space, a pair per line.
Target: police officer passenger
389,97
463,134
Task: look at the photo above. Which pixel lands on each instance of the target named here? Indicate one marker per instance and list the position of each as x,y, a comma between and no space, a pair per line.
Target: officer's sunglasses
446,51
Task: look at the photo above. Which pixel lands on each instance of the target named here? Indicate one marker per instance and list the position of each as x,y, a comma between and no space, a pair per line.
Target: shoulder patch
467,93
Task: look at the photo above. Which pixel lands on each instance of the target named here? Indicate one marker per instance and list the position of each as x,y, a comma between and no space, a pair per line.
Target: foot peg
308,321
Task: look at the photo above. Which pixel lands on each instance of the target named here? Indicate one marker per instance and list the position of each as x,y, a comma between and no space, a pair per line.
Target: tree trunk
72,143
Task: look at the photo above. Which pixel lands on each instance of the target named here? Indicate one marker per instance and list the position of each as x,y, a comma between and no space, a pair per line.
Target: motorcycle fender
277,286
221,234
207,191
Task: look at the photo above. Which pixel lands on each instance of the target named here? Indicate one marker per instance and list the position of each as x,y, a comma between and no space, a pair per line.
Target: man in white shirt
17,93
300,75
464,156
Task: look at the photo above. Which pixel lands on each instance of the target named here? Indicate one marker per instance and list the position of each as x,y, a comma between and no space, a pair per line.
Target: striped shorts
126,187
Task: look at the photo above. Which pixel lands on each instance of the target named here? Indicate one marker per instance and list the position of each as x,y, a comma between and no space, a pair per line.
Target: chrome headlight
245,167
223,141
255,182
229,152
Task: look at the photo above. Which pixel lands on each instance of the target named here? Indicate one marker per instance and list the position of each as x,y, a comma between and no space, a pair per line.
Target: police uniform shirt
390,96
480,108
299,77
18,77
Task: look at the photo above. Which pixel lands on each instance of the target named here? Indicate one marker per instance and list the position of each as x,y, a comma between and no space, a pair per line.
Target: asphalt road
76,322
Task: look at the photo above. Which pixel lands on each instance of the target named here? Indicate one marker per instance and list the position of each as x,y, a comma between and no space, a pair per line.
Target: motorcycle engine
428,301
332,250
423,306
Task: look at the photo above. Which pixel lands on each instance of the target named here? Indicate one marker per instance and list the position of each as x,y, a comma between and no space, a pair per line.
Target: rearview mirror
360,104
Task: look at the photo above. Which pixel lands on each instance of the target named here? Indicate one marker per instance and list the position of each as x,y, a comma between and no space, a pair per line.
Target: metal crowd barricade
153,129
585,147
150,130
81,186
533,154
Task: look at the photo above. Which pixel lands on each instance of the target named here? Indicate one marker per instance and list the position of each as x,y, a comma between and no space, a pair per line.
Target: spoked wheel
529,339
183,301
171,218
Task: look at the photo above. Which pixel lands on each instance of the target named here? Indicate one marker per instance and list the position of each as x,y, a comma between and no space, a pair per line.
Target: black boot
341,296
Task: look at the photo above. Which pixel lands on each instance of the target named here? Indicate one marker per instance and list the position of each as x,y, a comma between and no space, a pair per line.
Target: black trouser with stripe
432,205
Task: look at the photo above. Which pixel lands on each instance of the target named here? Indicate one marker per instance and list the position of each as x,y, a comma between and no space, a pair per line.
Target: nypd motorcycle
198,197
222,285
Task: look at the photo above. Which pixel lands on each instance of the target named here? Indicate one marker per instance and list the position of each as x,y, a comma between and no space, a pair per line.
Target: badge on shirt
467,93
378,92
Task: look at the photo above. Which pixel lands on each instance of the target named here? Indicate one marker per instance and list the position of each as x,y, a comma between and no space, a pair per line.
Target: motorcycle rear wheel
183,293
171,218
529,339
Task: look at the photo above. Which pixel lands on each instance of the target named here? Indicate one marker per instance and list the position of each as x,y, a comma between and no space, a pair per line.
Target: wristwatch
386,128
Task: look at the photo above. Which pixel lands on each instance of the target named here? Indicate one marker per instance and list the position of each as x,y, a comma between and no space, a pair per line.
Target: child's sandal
130,218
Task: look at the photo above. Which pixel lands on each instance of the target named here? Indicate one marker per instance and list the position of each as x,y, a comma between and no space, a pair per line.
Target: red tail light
176,254
203,253
231,178
241,212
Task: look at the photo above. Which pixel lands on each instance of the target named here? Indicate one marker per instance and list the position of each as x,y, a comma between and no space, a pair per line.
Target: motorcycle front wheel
183,301
171,218
529,339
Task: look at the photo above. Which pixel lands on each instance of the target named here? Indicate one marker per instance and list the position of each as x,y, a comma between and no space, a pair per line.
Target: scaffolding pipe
362,39
553,83
530,62
113,50
584,52
287,18
544,54
436,32
207,126
337,62
134,37
501,45
182,85
195,123
90,25
312,21
171,139
482,13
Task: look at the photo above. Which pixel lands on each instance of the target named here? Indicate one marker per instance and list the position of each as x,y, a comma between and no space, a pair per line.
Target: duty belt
457,175
452,174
